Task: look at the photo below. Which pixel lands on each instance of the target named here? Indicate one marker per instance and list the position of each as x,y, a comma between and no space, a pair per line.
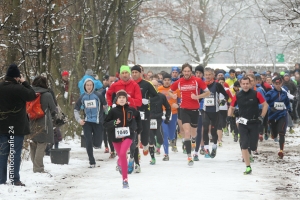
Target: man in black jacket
14,123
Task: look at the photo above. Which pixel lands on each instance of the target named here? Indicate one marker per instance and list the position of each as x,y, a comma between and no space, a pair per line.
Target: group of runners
146,110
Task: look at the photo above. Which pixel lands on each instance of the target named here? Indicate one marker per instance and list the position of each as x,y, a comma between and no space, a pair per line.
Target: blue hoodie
92,104
98,85
277,96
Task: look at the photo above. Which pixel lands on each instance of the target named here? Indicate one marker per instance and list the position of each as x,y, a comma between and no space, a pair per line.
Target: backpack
34,108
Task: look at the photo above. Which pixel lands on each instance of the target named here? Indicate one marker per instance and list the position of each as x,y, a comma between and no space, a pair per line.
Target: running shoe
261,137
236,138
145,152
157,151
153,161
248,171
202,151
106,150
92,166
190,161
225,131
137,168
207,153
213,152
195,157
255,152
119,168
220,144
184,151
291,130
125,184
280,154
112,155
276,139
266,136
130,165
166,158
174,149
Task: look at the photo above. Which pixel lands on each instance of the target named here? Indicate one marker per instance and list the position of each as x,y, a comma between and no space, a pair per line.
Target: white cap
238,70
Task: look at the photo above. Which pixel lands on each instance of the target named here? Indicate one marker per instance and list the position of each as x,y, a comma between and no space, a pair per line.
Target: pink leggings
121,149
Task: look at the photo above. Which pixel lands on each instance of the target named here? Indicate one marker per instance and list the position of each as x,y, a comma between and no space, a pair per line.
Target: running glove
261,119
228,119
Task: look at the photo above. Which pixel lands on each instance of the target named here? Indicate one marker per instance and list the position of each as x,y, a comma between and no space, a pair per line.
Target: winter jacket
128,116
42,128
13,98
132,88
231,81
97,84
92,104
156,105
262,91
291,86
277,96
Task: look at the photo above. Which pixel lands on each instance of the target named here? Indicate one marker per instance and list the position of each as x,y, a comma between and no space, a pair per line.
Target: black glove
228,119
261,119
167,121
222,102
236,113
273,109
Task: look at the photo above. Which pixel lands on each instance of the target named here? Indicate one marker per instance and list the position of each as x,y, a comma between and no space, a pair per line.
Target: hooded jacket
132,88
13,98
92,104
128,116
156,105
42,128
97,84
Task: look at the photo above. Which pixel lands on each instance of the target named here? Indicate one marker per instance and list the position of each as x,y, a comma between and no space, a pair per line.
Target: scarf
209,82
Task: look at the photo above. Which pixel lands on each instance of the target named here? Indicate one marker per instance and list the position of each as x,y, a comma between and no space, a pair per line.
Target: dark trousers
145,132
10,146
107,141
156,133
93,138
210,118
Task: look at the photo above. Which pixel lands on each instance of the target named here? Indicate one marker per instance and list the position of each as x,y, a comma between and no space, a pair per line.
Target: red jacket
132,88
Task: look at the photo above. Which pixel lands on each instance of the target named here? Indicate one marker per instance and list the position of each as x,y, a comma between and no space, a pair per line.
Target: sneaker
166,158
255,152
92,166
106,150
261,137
251,159
193,146
112,155
18,183
220,144
280,154
190,161
172,143
195,157
235,138
291,130
184,151
130,165
225,131
145,150
213,152
276,140
248,171
202,151
125,184
157,151
118,168
266,136
207,153
137,168
153,161
174,149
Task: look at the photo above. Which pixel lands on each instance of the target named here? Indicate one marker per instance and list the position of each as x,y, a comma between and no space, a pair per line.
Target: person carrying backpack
41,125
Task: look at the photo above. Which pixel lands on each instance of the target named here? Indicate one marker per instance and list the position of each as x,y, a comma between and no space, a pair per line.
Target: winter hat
121,93
137,68
226,75
286,74
282,73
236,84
13,71
200,69
239,77
65,73
167,76
175,69
89,72
125,68
277,79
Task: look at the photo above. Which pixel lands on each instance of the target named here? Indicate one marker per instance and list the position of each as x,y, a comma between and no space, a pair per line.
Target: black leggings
210,118
156,132
107,141
145,132
222,119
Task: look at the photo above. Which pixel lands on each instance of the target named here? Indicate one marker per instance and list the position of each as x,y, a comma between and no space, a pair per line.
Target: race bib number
90,103
142,114
279,105
153,124
122,132
242,120
209,101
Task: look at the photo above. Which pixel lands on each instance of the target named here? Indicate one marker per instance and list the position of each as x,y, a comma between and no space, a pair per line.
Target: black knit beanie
199,68
13,71
137,68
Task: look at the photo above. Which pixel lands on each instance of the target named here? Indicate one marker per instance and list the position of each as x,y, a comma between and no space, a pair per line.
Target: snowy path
218,178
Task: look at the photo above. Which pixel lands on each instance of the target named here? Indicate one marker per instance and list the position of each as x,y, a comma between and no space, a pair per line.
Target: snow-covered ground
218,178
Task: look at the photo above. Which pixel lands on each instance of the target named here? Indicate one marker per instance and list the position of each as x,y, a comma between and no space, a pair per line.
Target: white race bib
142,114
279,105
242,120
122,132
209,101
90,103
153,124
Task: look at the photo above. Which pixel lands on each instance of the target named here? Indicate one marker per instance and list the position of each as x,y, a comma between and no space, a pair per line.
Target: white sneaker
137,168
